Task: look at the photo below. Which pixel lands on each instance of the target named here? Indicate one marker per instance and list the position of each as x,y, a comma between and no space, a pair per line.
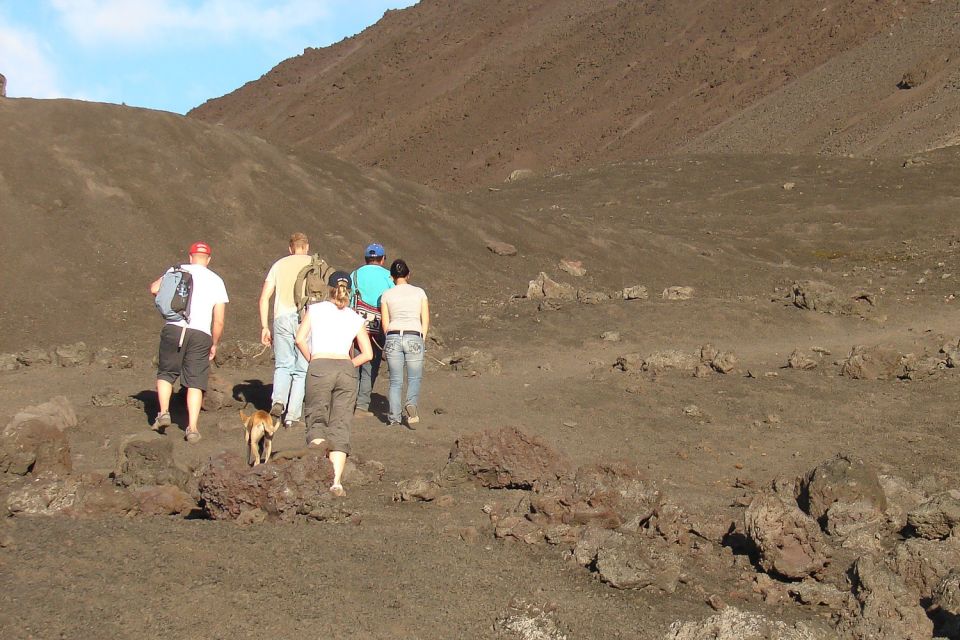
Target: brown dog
258,426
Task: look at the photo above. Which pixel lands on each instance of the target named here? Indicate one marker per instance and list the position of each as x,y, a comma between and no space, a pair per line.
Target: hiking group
331,330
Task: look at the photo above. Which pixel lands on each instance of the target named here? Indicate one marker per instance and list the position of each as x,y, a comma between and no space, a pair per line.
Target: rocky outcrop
508,459
789,543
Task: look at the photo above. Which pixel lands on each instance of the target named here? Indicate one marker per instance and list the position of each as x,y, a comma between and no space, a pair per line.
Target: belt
405,333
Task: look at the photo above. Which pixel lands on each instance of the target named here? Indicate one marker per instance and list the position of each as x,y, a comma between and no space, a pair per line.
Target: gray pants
331,394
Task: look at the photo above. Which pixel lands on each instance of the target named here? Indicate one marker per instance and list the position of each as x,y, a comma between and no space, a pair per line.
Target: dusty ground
726,227
96,200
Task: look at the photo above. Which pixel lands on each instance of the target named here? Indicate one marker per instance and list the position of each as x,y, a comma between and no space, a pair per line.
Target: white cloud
171,22
28,69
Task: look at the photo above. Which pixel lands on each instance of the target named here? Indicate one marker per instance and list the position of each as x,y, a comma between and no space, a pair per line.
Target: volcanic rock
872,363
800,360
825,298
35,447
34,356
509,459
73,355
636,292
789,543
843,478
677,293
163,501
573,267
146,459
922,564
502,248
888,609
632,562
670,359
58,412
734,624
416,489
935,518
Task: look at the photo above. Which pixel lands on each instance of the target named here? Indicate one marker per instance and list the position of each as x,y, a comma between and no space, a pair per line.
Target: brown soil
96,200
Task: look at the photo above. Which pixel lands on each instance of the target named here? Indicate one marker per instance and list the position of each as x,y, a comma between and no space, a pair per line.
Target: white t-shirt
208,290
332,330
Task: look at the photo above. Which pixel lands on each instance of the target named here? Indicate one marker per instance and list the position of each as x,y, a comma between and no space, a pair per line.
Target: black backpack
311,285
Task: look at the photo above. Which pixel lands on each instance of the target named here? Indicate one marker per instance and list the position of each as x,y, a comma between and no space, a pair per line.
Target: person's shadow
151,406
254,392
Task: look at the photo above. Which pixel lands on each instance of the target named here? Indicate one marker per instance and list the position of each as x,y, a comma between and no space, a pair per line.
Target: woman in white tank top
325,338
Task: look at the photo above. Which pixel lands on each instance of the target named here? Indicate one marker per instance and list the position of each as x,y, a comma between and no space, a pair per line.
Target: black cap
339,276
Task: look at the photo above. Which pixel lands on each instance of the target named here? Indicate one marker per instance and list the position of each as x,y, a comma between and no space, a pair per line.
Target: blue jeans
290,369
403,351
368,373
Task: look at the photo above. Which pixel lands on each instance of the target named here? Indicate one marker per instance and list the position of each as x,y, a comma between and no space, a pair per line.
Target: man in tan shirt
290,369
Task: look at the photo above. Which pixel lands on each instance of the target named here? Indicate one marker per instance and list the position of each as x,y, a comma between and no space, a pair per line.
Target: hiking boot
295,424
162,422
412,416
363,413
277,409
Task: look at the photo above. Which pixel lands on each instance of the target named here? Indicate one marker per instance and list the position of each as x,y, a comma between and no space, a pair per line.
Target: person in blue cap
369,283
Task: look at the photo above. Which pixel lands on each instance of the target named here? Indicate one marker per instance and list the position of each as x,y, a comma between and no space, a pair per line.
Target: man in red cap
188,346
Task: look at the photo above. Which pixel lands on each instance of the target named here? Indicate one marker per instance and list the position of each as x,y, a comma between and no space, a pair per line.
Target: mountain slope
455,94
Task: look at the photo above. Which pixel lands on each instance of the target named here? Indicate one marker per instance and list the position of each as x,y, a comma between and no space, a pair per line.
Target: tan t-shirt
283,275
403,303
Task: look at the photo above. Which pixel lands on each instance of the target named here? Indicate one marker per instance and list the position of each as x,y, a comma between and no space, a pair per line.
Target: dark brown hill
96,200
458,93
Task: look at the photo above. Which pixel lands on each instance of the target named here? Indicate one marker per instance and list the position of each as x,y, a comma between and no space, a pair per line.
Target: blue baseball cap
374,250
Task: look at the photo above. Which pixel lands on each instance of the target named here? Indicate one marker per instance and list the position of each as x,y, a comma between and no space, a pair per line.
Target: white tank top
332,330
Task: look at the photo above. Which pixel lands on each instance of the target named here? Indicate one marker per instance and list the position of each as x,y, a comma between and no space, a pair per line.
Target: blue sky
164,54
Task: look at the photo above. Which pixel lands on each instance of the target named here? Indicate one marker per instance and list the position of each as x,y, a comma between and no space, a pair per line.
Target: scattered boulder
109,397
951,354
636,292
610,336
111,360
525,621
855,524
901,500
283,488
922,564
629,362
843,478
733,624
519,174
544,287
146,460
724,362
800,360
416,490
677,293
502,248
592,297
509,459
632,562
888,609
935,518
573,267
42,495
35,447
789,543
34,356
670,359
9,362
165,500
219,395
58,412
946,605
825,298
72,355
872,363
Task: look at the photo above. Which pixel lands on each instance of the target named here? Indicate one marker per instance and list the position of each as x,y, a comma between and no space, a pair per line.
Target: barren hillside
458,93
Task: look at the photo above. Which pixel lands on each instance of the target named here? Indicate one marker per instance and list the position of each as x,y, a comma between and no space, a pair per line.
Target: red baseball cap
200,247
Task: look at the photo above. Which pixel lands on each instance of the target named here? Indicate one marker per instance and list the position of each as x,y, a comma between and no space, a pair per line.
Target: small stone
610,336
519,174
502,248
636,292
677,293
789,186
573,267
